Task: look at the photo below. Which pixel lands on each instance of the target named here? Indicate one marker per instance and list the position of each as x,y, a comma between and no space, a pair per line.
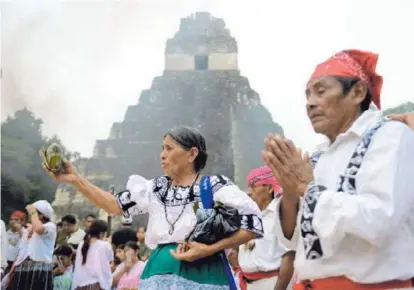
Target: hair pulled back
189,138
97,228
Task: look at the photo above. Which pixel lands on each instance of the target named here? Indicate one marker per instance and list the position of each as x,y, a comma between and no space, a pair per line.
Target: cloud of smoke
58,57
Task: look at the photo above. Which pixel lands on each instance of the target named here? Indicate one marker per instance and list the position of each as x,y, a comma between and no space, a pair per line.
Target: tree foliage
403,108
23,180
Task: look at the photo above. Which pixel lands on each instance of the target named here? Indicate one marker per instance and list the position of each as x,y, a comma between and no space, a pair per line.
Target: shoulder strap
206,195
206,192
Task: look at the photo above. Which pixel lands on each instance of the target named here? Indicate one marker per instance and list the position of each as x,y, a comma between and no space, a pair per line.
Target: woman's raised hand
68,175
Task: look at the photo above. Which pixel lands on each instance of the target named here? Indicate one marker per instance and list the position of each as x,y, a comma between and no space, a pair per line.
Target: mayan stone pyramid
201,87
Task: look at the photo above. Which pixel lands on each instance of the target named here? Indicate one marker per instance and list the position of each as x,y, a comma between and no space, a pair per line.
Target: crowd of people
341,218
82,254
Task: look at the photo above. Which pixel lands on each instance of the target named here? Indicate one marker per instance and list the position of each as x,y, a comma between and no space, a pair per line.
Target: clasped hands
292,169
192,251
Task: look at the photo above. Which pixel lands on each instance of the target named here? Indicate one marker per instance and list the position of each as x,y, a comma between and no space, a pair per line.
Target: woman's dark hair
63,250
120,247
97,228
188,138
347,84
132,245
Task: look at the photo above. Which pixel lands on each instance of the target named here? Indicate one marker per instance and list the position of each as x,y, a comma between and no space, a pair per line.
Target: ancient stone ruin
200,87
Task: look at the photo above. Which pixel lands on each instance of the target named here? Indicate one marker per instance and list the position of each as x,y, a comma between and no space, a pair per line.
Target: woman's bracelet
32,213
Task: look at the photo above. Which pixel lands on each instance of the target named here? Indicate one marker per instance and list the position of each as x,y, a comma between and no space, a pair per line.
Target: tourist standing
14,235
93,258
74,233
169,200
32,269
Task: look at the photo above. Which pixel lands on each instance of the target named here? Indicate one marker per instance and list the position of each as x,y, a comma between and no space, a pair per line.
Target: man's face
260,193
327,107
68,228
15,223
87,222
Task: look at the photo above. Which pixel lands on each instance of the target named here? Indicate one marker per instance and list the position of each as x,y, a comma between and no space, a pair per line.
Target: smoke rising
62,61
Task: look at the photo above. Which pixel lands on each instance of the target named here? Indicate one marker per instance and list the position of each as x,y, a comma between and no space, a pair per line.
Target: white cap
44,208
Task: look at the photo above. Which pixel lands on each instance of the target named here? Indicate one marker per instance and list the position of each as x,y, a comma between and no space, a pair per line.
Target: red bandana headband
19,214
354,63
261,176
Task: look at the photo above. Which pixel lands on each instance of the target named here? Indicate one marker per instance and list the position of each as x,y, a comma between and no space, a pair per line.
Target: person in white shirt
352,228
93,259
32,269
260,260
171,202
75,234
3,244
14,235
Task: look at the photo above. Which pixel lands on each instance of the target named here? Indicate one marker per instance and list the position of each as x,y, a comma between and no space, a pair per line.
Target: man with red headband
14,235
261,260
349,218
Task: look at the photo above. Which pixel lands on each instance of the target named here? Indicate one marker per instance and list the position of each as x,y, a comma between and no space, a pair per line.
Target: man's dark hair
90,215
122,236
70,219
347,84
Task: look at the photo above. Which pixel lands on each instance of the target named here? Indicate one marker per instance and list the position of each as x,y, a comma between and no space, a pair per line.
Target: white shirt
4,244
267,253
76,237
13,239
39,247
147,196
97,268
366,237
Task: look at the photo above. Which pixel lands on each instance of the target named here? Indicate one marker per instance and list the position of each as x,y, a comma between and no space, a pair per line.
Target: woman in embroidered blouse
169,201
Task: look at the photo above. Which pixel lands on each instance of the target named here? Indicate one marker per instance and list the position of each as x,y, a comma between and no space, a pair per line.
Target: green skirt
162,271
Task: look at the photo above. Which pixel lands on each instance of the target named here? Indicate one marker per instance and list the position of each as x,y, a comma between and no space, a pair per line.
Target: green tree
23,179
403,108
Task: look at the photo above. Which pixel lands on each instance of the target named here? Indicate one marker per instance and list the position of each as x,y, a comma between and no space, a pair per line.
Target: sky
79,64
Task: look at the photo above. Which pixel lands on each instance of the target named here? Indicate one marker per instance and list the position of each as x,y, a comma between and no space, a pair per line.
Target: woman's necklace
172,225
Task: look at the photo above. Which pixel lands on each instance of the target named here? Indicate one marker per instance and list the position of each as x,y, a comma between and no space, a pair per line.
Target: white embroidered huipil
175,203
267,253
365,236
